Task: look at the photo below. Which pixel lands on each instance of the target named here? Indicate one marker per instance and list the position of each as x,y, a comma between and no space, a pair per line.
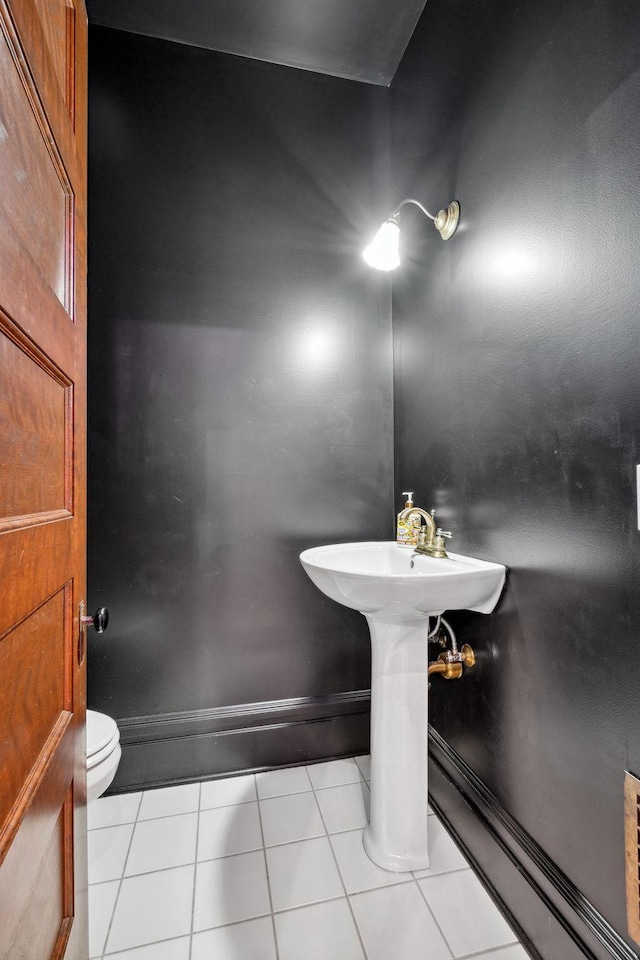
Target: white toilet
103,753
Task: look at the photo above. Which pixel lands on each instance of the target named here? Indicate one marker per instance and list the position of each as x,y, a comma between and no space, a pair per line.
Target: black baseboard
205,744
552,918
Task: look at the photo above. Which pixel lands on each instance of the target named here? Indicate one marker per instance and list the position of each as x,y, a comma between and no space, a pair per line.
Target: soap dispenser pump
407,529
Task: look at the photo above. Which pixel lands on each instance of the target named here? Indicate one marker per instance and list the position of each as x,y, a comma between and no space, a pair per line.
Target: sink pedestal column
396,836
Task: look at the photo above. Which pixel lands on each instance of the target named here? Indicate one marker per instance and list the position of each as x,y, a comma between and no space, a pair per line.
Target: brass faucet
430,538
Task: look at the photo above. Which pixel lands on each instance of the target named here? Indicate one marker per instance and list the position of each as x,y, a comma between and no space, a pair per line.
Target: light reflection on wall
510,263
314,347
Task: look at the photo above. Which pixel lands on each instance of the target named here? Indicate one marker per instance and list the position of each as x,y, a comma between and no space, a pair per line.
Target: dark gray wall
240,377
518,401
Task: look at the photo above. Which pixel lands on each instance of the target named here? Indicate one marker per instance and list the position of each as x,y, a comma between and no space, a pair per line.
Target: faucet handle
443,533
437,548
423,536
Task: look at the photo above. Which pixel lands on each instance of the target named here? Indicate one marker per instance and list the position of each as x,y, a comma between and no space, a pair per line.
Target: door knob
100,620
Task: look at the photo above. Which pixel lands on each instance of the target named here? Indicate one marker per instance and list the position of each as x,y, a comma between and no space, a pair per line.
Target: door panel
37,654
43,906
43,883
36,198
29,926
53,36
33,562
36,461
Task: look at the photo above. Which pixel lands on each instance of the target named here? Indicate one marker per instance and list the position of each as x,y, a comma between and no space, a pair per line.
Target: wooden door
43,888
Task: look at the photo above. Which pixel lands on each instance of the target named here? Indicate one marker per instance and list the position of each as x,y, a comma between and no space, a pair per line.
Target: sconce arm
417,204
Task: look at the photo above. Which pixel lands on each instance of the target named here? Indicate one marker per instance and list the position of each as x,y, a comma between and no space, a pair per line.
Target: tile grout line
275,913
266,869
461,956
440,873
312,903
124,867
464,956
342,883
435,919
142,946
176,866
473,954
488,951
167,816
195,871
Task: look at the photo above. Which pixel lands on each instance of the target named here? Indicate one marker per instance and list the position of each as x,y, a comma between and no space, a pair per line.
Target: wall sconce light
383,253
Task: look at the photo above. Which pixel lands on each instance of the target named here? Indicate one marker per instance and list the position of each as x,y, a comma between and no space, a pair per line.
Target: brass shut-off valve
451,664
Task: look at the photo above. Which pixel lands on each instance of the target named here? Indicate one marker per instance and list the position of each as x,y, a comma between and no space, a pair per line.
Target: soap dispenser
407,530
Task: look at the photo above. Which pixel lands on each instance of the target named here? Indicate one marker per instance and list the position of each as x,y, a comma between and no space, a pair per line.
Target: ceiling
357,39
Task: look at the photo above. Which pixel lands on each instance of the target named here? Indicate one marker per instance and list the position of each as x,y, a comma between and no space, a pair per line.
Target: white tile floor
271,867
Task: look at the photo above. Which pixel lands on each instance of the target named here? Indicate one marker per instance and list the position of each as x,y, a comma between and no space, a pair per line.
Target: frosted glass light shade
382,253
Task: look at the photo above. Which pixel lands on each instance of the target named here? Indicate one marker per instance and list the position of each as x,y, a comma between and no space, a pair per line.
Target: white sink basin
397,590
390,582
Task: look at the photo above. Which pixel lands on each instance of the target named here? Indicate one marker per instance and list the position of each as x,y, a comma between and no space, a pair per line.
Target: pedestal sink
397,590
